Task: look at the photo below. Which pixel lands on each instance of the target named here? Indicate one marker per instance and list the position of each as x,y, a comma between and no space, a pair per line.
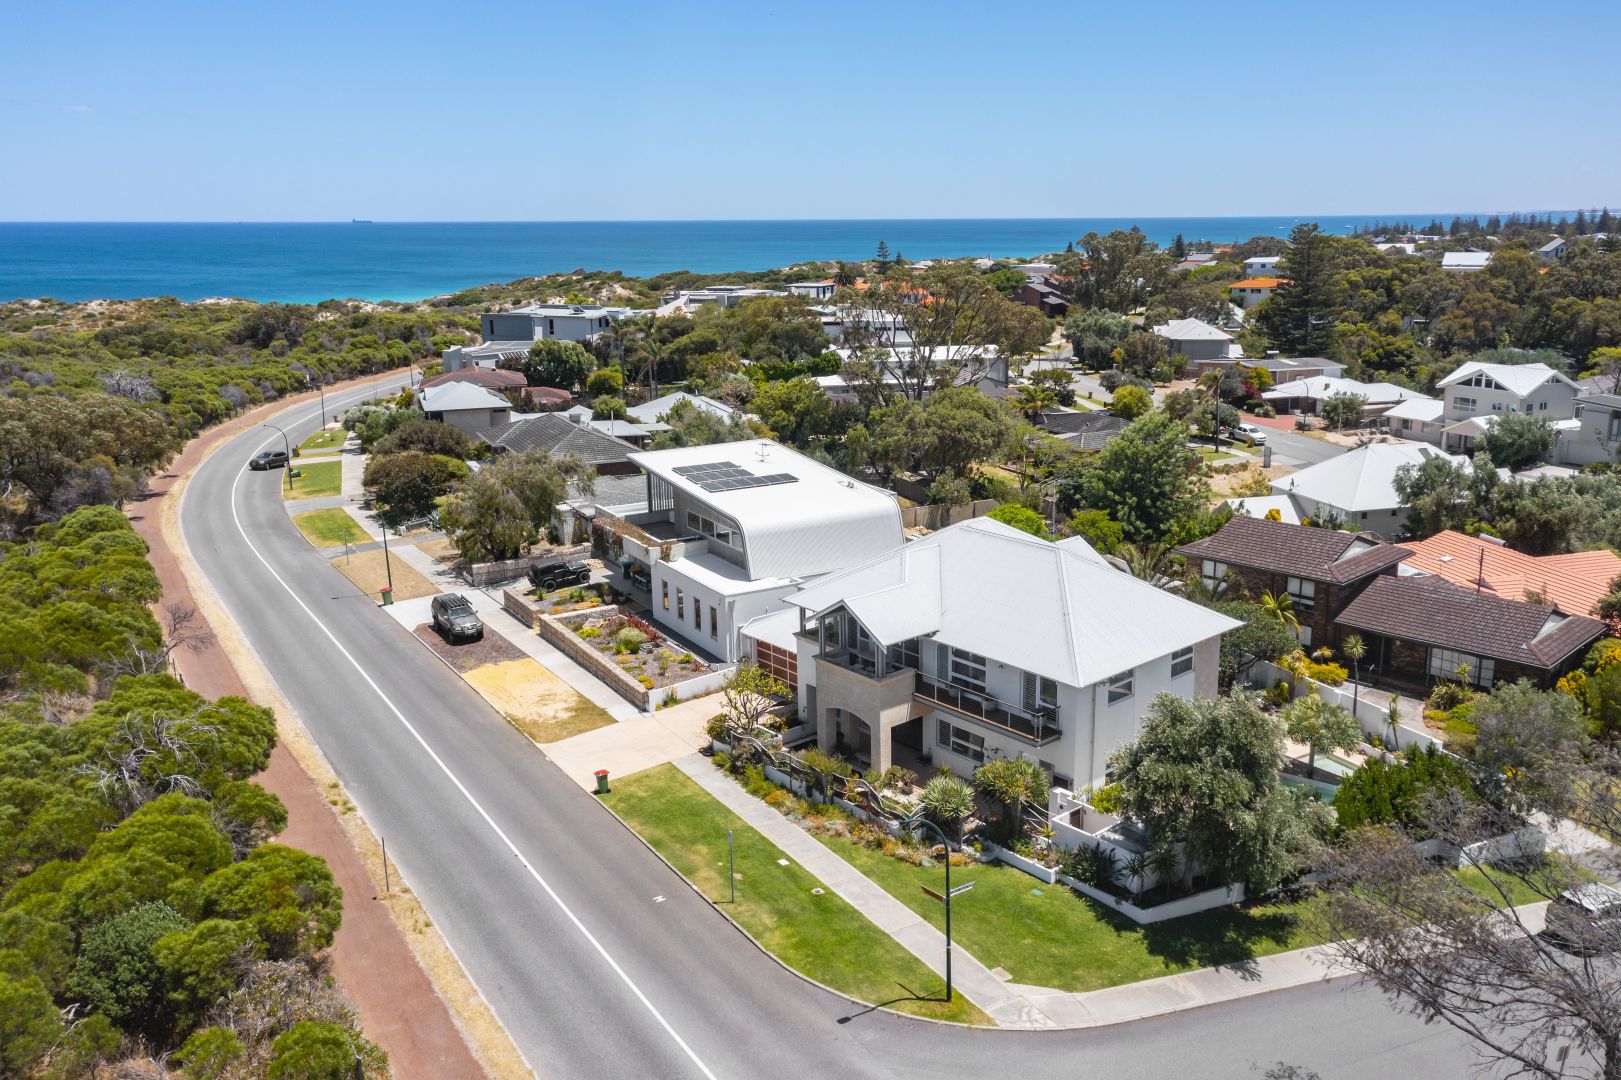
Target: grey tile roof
1296,550
558,436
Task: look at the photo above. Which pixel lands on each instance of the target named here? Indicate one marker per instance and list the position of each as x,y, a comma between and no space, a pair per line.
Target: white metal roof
1426,409
1520,379
451,397
722,576
777,628
1257,506
1361,479
1191,330
1326,386
823,520
651,411
1466,260
1054,609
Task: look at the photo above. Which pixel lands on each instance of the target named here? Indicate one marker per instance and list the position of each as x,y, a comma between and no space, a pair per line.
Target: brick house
1420,629
1321,570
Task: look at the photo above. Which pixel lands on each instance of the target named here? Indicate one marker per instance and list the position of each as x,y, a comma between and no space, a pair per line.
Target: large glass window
903,655
968,669
664,590
680,604
1040,694
960,740
1447,663
1211,572
1122,686
1303,592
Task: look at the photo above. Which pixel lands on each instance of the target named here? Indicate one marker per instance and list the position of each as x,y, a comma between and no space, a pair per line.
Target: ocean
306,262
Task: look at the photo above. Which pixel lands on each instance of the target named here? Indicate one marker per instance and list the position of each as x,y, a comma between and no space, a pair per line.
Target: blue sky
509,111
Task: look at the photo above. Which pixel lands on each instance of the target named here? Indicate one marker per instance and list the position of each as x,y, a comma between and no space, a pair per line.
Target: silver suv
454,617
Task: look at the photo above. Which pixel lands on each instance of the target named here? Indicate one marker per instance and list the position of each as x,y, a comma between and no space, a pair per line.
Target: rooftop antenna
1480,574
762,450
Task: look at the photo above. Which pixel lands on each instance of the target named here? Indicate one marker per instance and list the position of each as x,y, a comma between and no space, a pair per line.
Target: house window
1182,661
664,589
697,613
692,521
1303,592
901,656
1120,686
1463,405
1528,406
968,669
1211,572
1445,664
680,604
1303,635
1497,406
714,623
830,633
960,740
1040,695
1406,424
1542,406
1615,427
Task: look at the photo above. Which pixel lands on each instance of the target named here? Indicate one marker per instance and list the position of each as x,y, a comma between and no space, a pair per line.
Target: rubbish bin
388,595
295,473
602,781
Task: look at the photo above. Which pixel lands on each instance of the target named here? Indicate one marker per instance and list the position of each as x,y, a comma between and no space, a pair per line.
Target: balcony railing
1039,728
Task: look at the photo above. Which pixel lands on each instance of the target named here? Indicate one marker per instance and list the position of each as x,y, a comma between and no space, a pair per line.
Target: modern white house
1195,340
985,368
982,641
1252,290
567,322
1262,265
730,529
1418,418
1597,436
1358,487
724,296
1466,262
465,406
1479,389
812,290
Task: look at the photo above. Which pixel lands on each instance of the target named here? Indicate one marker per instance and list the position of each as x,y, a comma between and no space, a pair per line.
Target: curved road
550,905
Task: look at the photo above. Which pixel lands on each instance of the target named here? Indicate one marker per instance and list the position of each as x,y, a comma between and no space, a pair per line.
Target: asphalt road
554,909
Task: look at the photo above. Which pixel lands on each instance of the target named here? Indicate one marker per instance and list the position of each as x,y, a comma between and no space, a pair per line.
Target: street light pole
287,446
945,897
388,567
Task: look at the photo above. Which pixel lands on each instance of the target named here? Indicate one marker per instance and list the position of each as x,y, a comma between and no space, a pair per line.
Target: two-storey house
982,641
731,529
1319,570
1596,436
1478,392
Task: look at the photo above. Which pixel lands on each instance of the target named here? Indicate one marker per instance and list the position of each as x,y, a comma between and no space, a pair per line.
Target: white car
1588,915
1248,434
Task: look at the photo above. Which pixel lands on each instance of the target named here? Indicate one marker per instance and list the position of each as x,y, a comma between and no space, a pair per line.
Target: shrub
722,760
895,776
589,631
1106,799
947,801
1277,695
1264,409
1328,674
646,681
629,640
1094,866
1447,696
1381,793
756,783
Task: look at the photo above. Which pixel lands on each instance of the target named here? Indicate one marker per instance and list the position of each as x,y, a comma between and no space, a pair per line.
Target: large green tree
504,508
1095,334
1518,441
564,364
1299,317
1145,478
408,484
1116,272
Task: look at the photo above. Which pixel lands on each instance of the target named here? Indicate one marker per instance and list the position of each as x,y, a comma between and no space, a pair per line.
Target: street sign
940,896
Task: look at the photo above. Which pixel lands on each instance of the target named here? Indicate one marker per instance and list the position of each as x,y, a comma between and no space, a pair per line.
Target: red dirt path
399,1009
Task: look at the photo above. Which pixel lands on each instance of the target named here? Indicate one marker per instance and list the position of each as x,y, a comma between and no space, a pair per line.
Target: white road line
580,926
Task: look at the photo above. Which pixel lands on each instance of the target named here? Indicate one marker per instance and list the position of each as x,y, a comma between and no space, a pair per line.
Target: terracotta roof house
559,436
1420,629
547,397
1321,570
1573,583
498,379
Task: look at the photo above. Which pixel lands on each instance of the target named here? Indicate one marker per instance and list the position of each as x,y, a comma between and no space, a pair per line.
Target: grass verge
821,936
366,570
330,528
315,480
330,439
535,701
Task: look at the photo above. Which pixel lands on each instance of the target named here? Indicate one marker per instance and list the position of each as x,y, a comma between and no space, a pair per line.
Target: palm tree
1152,563
1281,609
1393,720
1134,870
1036,399
1354,649
1012,783
1166,864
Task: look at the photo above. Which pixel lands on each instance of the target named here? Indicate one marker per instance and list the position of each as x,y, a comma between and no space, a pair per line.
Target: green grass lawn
331,439
330,528
315,479
1046,935
821,936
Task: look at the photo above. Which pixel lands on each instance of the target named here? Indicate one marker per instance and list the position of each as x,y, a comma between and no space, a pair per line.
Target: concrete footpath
1010,1004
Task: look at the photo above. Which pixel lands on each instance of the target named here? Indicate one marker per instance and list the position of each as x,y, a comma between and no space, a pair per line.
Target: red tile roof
1259,283
1572,583
489,378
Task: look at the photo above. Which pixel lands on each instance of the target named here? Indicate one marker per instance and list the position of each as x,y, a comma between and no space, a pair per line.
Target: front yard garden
815,933
637,649
330,439
314,480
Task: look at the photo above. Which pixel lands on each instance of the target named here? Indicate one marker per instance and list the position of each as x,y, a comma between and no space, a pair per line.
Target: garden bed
635,659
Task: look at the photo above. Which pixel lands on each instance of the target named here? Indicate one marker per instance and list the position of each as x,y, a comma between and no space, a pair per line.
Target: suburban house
1597,435
1320,570
498,379
465,406
1262,265
731,529
1195,341
986,361
651,414
1420,629
1466,262
1251,291
1553,248
567,322
1478,389
1357,488
1036,271
487,356
1085,429
982,641
1039,294
1572,584
1282,369
546,397
1307,395
723,296
560,435
812,290
1419,418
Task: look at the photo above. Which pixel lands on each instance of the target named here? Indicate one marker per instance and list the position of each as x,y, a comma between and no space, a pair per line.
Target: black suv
455,618
551,574
267,459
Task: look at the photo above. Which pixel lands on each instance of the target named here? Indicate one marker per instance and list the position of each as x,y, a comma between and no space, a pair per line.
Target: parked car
1588,915
1248,434
267,459
454,617
548,575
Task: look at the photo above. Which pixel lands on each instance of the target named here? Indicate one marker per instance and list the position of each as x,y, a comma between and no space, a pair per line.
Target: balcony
1037,728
